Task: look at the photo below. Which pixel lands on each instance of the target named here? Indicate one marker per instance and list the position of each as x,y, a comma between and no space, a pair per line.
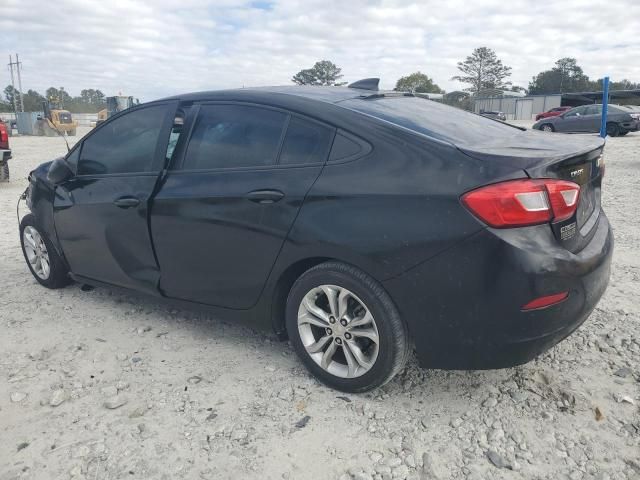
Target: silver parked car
621,119
494,115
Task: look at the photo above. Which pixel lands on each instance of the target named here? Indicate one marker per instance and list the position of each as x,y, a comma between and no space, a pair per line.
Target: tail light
518,203
4,136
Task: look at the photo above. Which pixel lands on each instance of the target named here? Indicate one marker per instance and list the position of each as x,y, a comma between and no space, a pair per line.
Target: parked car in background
621,119
358,223
494,115
553,112
5,151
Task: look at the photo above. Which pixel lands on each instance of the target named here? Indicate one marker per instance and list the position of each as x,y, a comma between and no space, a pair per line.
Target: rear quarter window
433,119
305,142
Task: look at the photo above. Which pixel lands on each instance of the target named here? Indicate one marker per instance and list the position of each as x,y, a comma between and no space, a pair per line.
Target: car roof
327,94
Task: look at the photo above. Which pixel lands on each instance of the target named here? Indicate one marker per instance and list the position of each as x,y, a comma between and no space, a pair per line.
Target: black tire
393,346
622,134
547,125
613,130
58,274
4,172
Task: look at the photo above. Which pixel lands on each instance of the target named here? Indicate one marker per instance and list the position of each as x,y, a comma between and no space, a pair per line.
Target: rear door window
234,136
305,142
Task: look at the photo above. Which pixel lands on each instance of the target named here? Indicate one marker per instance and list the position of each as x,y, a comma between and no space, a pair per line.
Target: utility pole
16,98
19,67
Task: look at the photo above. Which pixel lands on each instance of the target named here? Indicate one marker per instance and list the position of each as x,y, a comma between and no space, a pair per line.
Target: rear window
433,119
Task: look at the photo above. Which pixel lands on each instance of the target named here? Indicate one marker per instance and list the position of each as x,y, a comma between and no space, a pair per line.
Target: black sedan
357,223
621,119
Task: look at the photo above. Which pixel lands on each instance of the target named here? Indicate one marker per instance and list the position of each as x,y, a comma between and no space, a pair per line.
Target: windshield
433,119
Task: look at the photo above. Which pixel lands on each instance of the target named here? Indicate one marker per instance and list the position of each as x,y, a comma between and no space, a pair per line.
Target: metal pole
20,84
15,107
605,104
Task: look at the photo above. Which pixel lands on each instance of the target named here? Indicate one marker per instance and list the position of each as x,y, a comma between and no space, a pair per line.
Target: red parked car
554,112
5,153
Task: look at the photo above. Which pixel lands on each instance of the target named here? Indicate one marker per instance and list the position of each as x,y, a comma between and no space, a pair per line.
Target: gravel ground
101,385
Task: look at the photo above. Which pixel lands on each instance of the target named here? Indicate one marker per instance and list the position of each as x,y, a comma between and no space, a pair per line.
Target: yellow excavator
55,122
115,104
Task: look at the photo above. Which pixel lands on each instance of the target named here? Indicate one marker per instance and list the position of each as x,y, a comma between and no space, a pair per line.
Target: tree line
89,100
482,70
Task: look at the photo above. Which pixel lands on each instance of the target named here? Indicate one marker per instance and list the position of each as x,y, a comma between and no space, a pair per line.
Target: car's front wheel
547,127
345,328
42,259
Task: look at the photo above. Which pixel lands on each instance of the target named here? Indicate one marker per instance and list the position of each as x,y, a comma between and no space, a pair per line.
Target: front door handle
127,202
265,196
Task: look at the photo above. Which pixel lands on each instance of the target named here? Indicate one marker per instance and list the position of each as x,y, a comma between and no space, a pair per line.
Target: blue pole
605,104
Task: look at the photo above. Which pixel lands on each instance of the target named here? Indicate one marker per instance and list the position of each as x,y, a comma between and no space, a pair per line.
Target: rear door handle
265,196
127,202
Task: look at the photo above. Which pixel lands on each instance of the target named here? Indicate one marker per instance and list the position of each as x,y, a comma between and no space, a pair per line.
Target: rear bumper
463,307
5,155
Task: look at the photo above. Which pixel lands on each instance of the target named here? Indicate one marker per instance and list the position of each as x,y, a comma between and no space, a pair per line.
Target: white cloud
151,49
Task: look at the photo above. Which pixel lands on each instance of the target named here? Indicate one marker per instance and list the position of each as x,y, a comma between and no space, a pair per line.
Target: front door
221,216
571,121
101,214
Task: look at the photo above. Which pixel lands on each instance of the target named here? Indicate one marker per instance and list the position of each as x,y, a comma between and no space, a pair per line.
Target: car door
570,121
226,206
101,214
592,118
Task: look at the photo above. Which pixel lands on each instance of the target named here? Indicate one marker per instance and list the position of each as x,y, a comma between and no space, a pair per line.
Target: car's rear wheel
613,130
345,328
547,127
42,259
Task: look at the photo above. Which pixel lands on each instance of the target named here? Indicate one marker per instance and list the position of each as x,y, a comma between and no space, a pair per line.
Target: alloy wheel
338,331
36,252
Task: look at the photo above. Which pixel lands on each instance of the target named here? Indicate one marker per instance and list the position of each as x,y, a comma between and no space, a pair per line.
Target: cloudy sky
150,49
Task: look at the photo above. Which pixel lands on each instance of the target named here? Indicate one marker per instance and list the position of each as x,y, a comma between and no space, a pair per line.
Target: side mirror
59,171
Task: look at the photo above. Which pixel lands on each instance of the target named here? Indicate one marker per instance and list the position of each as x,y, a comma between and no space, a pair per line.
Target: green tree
323,72
483,69
58,97
32,101
621,85
417,82
566,76
516,88
9,93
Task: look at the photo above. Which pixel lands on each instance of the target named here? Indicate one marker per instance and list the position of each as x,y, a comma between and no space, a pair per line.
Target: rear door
592,118
227,204
101,214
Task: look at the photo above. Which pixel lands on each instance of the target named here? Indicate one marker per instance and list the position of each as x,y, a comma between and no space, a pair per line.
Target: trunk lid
573,158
